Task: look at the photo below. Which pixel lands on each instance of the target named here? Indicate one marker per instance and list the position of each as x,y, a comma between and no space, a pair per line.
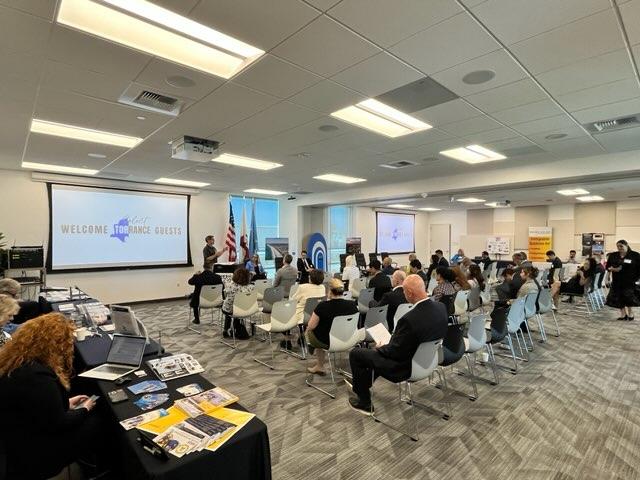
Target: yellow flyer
161,424
237,417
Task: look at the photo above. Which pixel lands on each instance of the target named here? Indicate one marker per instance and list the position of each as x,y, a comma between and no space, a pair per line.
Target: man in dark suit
304,267
415,267
394,298
378,280
425,322
206,277
443,262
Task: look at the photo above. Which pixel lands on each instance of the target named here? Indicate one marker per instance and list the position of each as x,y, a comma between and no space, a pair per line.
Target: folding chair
245,305
283,319
211,298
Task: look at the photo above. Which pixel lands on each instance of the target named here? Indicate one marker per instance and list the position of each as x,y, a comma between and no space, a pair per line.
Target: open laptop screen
126,350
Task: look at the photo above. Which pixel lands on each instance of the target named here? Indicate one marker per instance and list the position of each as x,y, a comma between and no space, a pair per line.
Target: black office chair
448,301
452,351
384,255
372,257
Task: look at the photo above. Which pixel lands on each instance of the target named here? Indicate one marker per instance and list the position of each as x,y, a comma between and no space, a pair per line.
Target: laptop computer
125,356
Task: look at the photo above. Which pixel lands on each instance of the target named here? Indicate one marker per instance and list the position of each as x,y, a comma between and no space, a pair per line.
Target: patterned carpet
572,412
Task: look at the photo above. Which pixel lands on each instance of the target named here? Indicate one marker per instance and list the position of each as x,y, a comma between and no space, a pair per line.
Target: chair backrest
474,299
498,327
344,333
432,284
309,306
452,346
347,295
425,360
499,273
245,304
460,302
477,334
283,316
516,315
293,289
366,295
271,295
261,285
211,296
530,307
588,285
376,315
357,285
545,302
597,281
402,310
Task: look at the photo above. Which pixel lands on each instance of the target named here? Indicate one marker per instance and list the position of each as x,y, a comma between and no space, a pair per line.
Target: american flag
231,236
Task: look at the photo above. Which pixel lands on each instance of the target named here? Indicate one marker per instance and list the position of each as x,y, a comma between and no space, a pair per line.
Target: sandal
316,371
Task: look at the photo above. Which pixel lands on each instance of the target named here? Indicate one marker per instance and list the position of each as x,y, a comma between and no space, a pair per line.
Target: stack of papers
205,402
175,366
133,422
379,334
147,386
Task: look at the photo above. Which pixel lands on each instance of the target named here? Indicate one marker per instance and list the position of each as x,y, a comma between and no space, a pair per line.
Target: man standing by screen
210,252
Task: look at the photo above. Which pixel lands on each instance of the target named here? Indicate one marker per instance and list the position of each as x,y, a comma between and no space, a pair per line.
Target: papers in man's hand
379,334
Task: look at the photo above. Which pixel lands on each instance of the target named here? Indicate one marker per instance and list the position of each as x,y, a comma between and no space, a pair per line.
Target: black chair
448,301
496,333
372,257
343,261
383,255
279,262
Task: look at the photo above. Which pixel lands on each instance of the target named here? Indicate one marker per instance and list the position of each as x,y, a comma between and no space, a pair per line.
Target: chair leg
272,355
529,334
320,389
555,320
492,358
190,325
471,377
233,335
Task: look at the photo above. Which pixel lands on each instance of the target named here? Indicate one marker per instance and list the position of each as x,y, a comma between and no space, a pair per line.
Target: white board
498,245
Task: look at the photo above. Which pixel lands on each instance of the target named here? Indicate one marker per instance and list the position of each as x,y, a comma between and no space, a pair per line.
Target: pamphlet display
175,366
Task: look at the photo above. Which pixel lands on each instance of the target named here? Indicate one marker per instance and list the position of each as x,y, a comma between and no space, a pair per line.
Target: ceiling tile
558,124
262,23
571,131
386,23
61,151
156,73
620,141
453,41
91,53
515,20
495,135
570,43
600,95
415,139
340,48
471,126
499,62
574,148
432,149
530,111
511,143
508,96
377,75
21,33
453,111
40,8
587,73
323,4
630,12
277,77
327,97
612,110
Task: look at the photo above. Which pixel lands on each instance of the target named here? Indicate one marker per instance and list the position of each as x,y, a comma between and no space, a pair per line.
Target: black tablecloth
93,351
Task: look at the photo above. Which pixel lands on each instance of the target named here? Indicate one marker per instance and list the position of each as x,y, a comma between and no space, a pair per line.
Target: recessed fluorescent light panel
157,31
247,162
58,168
83,134
590,198
471,200
571,192
380,118
430,209
473,154
497,205
332,177
263,191
399,205
182,183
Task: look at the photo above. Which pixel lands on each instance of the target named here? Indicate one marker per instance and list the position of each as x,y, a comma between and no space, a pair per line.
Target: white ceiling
557,64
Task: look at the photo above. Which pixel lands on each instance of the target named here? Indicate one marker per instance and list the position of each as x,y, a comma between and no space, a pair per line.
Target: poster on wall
498,245
354,245
592,244
276,248
539,243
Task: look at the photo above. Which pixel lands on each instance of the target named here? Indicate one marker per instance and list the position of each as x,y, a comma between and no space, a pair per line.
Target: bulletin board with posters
592,244
498,245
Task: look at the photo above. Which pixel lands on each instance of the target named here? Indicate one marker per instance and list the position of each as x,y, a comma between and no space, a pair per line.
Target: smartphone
92,398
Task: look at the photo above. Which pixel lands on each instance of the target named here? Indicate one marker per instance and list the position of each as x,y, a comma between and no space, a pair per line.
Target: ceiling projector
194,149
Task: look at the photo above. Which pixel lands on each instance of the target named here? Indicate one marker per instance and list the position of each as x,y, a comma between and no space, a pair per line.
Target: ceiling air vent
140,97
604,126
399,164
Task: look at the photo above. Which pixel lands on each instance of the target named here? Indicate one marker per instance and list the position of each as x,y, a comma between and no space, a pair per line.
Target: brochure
151,400
133,422
175,366
205,402
147,386
189,390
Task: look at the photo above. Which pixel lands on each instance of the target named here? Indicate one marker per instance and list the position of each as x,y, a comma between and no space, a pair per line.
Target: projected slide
104,228
395,232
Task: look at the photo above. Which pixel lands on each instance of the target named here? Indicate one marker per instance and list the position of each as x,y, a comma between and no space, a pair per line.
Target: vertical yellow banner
539,243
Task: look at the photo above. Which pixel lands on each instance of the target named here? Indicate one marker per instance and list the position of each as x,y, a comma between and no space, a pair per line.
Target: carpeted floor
572,412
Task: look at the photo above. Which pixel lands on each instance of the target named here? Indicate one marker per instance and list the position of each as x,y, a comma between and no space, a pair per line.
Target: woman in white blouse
351,272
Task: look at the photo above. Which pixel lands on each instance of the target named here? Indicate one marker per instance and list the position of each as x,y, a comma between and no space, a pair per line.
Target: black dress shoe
630,319
622,318
195,322
361,407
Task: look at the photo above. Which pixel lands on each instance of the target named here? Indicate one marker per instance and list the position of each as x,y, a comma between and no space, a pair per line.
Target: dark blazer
392,299
425,322
443,262
381,283
304,275
388,270
34,408
198,280
423,276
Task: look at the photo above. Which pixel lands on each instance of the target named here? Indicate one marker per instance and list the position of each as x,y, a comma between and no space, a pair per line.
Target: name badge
627,260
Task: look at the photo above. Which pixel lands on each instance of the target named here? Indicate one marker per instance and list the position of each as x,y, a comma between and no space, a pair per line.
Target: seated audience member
205,277
304,267
407,268
443,261
8,308
572,257
457,258
600,264
459,279
351,271
431,271
444,287
314,289
464,265
255,268
474,277
529,276
286,276
556,264
240,282
28,308
507,290
387,267
43,429
486,260
575,285
415,268
380,282
321,320
425,322
394,298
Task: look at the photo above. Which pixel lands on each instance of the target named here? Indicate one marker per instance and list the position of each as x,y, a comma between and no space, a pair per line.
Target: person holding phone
624,268
43,428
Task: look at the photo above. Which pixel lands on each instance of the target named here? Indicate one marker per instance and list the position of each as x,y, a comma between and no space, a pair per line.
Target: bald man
395,297
426,321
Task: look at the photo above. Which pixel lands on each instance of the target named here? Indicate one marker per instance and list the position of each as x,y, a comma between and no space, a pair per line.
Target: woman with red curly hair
43,430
